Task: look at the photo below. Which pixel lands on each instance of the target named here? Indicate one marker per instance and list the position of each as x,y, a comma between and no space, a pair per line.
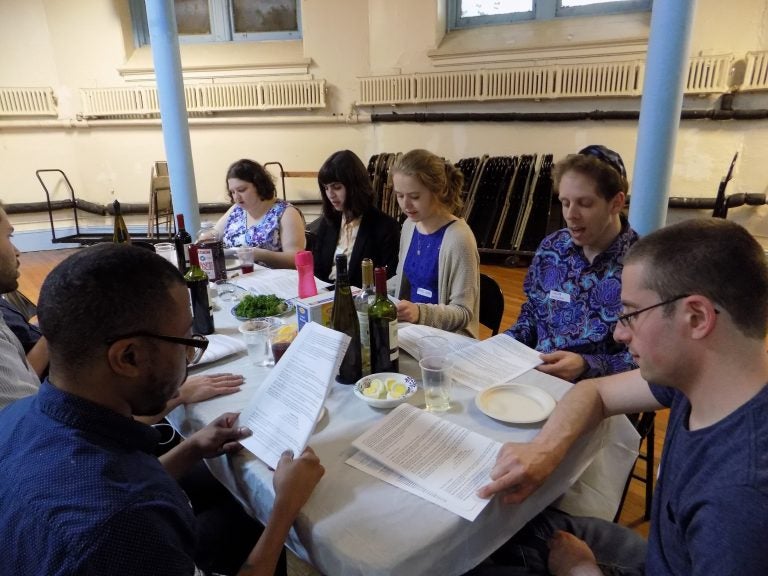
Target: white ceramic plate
364,382
515,403
232,264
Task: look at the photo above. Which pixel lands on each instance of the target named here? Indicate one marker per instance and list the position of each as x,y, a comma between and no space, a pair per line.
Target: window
226,20
472,13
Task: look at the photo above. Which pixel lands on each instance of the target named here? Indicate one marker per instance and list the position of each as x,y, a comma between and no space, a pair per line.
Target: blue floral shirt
573,305
263,234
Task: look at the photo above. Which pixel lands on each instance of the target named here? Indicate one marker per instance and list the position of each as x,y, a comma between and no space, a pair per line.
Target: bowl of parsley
261,306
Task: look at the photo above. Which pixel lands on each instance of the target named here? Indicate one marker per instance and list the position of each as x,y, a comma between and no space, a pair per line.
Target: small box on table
317,308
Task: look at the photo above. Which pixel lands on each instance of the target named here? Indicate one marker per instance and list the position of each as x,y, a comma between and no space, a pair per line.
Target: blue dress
264,234
421,265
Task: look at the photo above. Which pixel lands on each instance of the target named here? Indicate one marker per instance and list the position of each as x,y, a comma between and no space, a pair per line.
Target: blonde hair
436,174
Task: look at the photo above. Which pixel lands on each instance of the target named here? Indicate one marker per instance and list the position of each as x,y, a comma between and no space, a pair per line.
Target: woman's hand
407,312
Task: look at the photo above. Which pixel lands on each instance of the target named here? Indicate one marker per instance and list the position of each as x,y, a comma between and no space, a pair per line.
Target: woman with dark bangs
351,224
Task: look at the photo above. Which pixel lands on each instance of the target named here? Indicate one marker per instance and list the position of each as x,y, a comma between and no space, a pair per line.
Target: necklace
427,245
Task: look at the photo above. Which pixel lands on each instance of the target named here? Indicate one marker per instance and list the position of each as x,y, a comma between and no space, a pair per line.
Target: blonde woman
439,266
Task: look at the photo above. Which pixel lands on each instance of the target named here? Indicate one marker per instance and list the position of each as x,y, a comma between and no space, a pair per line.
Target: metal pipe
660,107
164,38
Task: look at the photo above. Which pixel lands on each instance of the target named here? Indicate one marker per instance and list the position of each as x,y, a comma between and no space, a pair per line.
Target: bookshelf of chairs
508,201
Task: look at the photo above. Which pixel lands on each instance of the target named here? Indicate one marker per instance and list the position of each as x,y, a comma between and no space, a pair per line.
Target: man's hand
205,386
519,470
570,556
295,479
565,365
219,437
407,312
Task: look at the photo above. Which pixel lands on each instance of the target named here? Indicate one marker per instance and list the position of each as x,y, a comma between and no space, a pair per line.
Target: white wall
73,45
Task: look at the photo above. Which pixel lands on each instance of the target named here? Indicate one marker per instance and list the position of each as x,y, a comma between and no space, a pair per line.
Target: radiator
205,98
756,72
27,102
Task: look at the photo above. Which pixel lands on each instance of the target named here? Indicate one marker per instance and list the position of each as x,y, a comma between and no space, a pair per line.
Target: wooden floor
36,265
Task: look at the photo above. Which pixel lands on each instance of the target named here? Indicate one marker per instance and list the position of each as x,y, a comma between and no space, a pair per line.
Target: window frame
542,10
222,26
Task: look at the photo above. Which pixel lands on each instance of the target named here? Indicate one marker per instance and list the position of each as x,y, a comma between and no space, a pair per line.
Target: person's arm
218,229
292,239
294,481
38,356
217,438
521,468
198,389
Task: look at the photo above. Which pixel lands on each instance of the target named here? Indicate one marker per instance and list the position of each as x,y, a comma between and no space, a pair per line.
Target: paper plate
515,403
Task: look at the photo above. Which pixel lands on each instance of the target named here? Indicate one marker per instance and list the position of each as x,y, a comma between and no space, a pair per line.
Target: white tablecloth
355,524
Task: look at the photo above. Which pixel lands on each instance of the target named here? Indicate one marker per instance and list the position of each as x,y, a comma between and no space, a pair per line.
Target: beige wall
73,45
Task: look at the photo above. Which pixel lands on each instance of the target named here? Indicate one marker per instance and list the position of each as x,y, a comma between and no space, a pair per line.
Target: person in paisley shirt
573,285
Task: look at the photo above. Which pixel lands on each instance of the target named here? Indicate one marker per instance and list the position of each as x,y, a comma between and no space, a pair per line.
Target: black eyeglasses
605,155
195,346
626,319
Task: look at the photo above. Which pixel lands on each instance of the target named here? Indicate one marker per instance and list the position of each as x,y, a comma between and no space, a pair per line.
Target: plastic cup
225,290
167,251
256,336
245,255
281,336
436,381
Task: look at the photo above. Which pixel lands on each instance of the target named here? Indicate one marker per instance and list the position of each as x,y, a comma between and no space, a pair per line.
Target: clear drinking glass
436,381
256,335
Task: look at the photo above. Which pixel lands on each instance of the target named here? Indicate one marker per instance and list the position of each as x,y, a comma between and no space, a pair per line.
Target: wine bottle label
207,263
394,348
365,341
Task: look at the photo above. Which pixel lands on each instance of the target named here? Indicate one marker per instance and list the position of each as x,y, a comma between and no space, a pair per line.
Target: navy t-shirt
710,508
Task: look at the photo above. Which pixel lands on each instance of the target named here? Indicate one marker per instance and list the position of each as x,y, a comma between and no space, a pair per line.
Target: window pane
569,3
192,17
264,16
471,8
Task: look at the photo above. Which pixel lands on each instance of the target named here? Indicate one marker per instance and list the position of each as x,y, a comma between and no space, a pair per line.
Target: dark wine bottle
197,282
120,234
362,300
382,323
344,319
182,240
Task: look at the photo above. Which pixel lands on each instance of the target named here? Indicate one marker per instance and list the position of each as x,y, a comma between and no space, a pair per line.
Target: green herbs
260,306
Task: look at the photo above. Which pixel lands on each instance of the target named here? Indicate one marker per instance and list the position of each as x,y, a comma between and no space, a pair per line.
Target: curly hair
253,172
436,174
604,166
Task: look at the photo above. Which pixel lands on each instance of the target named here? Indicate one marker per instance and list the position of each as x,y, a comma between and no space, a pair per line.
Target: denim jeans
619,550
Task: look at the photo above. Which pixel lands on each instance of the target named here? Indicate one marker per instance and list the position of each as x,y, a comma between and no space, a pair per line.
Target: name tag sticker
424,292
561,296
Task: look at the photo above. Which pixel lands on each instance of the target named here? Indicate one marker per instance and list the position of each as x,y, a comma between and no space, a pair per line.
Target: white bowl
409,383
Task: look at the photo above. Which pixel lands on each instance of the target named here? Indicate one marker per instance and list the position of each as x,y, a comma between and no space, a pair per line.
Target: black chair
491,303
645,424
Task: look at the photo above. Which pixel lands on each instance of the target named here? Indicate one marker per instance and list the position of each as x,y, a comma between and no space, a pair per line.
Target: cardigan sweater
458,280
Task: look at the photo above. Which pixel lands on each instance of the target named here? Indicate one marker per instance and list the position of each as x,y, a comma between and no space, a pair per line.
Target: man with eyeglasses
573,283
695,297
80,489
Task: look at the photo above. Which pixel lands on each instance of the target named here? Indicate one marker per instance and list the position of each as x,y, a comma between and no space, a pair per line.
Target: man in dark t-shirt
695,299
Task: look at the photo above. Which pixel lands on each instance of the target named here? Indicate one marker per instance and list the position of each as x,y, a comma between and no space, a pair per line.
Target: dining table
355,524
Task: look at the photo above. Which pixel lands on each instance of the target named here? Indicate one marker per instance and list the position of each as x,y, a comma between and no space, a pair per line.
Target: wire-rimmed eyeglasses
195,346
626,319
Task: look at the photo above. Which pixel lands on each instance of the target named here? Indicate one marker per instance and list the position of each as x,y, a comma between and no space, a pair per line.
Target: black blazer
378,238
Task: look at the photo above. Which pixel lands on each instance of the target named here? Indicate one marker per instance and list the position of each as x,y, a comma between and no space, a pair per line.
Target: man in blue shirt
574,280
695,298
80,491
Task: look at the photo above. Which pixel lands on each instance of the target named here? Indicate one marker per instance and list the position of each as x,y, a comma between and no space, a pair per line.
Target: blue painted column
660,107
173,110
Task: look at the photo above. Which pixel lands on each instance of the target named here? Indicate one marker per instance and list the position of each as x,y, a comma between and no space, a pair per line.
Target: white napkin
220,346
